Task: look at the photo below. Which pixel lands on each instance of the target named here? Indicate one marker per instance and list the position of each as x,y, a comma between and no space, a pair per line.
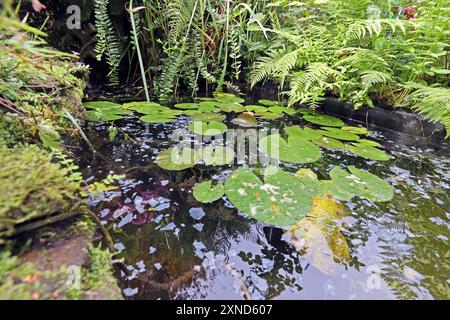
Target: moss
32,186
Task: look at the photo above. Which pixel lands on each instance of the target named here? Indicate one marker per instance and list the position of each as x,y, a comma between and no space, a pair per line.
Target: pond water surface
174,247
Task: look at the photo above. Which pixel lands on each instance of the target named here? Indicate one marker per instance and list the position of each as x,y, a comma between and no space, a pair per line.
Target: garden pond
387,236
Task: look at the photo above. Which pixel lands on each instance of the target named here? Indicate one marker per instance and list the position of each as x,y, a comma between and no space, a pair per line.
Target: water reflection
390,250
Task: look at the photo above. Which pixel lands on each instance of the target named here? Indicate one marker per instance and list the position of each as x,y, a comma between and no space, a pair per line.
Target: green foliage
26,193
108,43
204,192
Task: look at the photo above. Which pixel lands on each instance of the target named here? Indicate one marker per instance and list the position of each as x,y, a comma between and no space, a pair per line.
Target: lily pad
295,150
95,115
270,103
268,115
216,156
205,193
356,130
304,133
156,118
228,97
362,183
245,120
207,117
175,159
281,200
143,105
208,128
324,120
186,106
308,111
232,107
330,143
368,152
280,110
339,134
369,143
255,108
208,106
102,105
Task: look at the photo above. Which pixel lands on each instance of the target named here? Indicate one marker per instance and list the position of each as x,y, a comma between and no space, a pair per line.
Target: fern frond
433,103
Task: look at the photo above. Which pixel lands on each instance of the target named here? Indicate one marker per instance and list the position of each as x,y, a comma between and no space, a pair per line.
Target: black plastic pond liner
397,120
394,119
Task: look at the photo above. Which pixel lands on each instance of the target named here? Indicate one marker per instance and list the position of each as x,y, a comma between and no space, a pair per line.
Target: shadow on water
177,248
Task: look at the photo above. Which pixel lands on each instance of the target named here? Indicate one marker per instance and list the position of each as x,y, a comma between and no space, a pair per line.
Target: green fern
433,103
108,43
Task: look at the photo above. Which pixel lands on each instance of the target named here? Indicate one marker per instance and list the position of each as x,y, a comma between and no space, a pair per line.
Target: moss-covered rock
32,186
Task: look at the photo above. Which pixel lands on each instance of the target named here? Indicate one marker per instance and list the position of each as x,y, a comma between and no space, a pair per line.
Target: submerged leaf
175,159
216,156
205,193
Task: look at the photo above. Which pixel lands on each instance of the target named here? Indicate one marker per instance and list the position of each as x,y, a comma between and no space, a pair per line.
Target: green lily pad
208,106
362,183
280,110
157,118
324,120
269,103
95,115
186,106
207,117
295,150
356,130
304,133
104,105
208,128
228,97
216,156
174,159
142,104
205,193
366,142
368,152
232,107
281,200
330,187
268,115
339,134
255,108
330,143
308,111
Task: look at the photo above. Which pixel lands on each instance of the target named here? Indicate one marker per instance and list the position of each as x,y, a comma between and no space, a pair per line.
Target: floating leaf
208,128
339,134
268,115
330,143
270,103
324,120
205,193
366,142
156,118
356,130
207,117
104,105
175,159
208,106
216,156
245,120
296,150
306,173
281,200
255,108
303,133
186,106
368,152
280,110
308,111
228,97
144,105
362,183
232,107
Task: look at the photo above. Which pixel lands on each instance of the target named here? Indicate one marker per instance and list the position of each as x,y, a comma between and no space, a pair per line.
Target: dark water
177,248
